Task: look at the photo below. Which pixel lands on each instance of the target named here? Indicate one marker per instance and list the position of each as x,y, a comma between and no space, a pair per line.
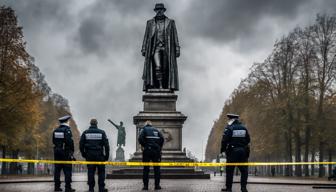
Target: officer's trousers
243,178
67,169
101,176
153,156
240,157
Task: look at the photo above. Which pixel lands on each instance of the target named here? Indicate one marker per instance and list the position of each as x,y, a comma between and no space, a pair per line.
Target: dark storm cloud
227,20
110,26
131,7
36,14
91,34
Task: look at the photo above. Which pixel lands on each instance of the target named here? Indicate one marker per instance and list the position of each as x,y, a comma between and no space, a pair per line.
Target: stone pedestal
120,154
160,109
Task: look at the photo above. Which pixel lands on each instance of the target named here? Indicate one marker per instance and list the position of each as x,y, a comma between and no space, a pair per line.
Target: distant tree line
288,102
28,108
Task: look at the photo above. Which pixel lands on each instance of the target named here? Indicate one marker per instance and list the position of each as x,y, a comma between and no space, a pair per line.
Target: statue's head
159,9
121,123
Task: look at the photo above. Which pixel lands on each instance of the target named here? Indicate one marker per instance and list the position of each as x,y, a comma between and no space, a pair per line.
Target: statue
121,133
160,48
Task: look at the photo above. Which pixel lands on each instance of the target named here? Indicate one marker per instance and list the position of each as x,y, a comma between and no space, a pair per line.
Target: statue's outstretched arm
109,120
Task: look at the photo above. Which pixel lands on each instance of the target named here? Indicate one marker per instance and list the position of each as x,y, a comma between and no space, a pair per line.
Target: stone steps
167,156
164,170
166,173
163,176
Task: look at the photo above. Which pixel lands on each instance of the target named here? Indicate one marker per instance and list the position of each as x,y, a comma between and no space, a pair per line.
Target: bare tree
289,100
324,38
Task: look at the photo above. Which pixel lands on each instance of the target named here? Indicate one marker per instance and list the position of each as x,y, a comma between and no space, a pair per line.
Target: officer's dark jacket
150,138
63,143
93,144
235,135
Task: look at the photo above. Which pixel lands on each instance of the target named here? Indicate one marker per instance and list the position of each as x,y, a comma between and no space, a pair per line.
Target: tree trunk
321,158
312,160
306,153
4,164
31,169
13,167
330,160
298,168
307,136
268,159
289,168
321,127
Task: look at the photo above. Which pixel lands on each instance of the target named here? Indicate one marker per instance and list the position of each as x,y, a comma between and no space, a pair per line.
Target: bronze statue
160,48
121,133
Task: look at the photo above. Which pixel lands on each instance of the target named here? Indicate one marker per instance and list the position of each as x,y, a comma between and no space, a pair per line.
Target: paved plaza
187,185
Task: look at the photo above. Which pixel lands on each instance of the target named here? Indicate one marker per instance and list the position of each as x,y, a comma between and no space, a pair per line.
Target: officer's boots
227,189
145,188
243,189
158,187
58,189
69,190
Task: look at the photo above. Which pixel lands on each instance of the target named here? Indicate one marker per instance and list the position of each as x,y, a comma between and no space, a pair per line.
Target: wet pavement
188,185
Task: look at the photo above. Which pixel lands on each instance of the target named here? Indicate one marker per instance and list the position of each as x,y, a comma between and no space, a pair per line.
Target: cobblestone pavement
215,184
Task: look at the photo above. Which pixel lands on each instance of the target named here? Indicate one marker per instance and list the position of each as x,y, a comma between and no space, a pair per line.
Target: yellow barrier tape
165,164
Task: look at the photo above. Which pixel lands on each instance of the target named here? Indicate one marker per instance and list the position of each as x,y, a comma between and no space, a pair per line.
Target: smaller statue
121,133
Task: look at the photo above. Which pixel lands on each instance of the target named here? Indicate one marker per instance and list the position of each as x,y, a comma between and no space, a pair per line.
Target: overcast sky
89,51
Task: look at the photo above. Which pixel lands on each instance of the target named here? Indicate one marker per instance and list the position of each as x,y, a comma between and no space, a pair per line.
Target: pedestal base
160,109
167,156
120,154
166,173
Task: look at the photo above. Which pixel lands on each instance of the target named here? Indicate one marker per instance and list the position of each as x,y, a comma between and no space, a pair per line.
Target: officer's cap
64,119
232,116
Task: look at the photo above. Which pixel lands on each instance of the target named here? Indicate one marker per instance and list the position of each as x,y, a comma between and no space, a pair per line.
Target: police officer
235,144
63,151
94,146
152,141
